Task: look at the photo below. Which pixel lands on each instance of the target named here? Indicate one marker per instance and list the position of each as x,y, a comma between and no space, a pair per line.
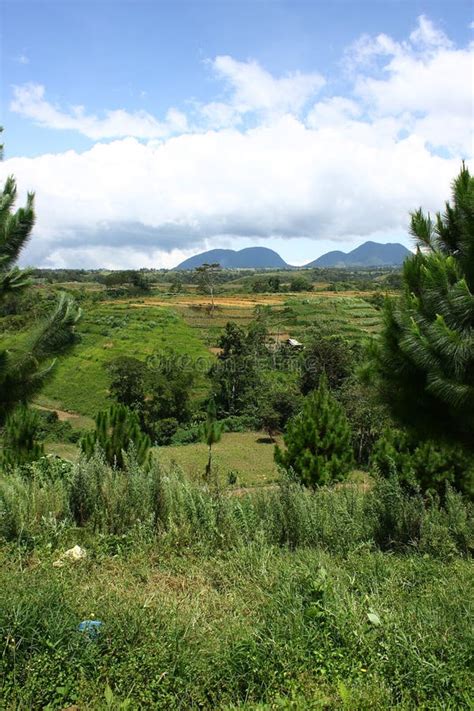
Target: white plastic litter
73,554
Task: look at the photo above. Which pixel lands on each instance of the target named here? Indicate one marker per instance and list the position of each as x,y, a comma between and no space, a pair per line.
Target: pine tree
24,369
19,439
318,441
424,362
211,434
117,431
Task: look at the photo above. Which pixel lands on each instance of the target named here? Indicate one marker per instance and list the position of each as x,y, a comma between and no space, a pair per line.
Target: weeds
283,598
95,497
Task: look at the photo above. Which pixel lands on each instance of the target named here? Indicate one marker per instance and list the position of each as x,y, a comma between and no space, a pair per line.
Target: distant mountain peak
368,254
247,258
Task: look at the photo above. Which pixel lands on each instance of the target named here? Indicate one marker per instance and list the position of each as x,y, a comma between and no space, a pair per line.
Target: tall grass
165,506
280,599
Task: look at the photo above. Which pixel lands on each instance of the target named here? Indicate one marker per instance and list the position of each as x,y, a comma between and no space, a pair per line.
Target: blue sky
153,130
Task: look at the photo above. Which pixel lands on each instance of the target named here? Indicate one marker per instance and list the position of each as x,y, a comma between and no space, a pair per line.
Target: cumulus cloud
252,89
283,180
311,167
30,102
424,82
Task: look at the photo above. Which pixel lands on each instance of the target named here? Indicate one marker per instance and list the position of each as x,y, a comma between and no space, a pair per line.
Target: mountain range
369,254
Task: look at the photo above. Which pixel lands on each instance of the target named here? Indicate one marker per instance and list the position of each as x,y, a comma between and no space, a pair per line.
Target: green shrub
164,506
424,465
164,430
187,435
239,423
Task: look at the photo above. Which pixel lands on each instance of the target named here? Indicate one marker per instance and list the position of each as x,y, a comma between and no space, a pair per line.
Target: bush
20,445
52,429
239,423
187,435
425,465
165,430
367,418
117,431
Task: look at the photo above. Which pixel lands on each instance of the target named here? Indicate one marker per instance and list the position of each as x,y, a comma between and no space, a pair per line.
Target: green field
247,454
182,325
80,382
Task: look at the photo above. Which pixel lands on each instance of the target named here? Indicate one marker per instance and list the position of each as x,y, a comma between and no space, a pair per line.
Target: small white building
293,343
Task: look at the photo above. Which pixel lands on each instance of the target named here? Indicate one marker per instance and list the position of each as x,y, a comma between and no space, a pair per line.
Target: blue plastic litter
90,627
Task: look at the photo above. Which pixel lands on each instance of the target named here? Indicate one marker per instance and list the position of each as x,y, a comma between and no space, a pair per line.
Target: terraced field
348,314
184,325
108,330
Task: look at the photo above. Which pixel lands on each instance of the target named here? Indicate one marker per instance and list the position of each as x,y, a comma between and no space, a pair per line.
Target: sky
152,131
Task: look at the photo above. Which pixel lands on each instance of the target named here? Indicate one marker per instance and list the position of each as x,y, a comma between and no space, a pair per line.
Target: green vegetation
117,431
20,445
317,441
211,434
425,359
284,597
25,366
427,465
206,542
108,331
247,456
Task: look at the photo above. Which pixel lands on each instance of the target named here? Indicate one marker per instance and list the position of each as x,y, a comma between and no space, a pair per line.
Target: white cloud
283,180
252,88
333,112
426,35
348,167
22,59
424,83
29,101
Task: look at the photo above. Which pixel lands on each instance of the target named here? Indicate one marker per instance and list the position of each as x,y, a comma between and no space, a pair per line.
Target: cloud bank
273,157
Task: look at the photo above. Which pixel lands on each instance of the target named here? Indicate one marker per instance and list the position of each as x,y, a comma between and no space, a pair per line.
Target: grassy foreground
257,628
279,599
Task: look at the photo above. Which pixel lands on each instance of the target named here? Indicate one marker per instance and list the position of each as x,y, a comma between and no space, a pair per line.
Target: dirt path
236,302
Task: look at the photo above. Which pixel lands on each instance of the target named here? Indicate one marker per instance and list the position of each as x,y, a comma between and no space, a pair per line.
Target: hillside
369,254
249,258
